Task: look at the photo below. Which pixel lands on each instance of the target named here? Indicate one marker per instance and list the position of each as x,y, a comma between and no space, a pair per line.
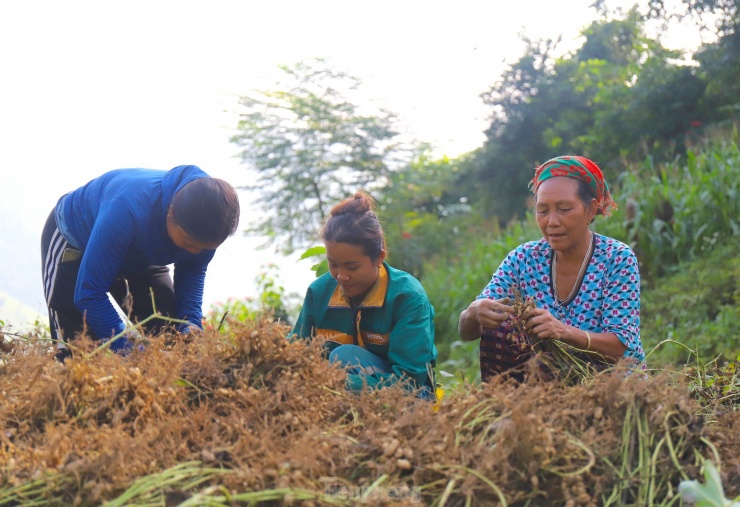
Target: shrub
698,306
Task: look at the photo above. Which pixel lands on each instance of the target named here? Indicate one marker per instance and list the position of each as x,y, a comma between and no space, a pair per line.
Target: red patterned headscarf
579,168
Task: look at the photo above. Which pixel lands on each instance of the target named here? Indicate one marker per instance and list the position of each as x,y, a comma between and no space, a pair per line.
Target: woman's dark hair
207,209
585,193
354,221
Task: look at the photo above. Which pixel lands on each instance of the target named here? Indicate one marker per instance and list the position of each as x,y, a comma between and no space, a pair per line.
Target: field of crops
242,416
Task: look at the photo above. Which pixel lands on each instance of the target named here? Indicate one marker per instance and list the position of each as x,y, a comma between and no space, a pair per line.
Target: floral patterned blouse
608,300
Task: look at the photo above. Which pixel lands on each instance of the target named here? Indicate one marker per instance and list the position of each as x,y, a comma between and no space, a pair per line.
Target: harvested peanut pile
521,305
244,416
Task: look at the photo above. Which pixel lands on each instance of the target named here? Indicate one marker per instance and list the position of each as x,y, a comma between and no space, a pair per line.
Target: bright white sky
92,85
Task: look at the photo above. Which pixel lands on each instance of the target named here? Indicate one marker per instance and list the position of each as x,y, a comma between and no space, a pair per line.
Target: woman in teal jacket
376,320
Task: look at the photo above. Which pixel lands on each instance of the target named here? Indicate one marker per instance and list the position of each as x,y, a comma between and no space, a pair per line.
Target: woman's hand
491,312
542,325
482,313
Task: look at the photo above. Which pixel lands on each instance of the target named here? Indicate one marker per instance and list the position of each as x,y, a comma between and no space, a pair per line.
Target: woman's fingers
492,313
534,312
536,320
503,310
543,325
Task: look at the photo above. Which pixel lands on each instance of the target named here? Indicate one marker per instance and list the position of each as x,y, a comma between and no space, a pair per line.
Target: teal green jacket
395,321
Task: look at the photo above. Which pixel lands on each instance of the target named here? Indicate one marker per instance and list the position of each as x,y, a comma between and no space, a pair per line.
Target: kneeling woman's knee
346,355
360,360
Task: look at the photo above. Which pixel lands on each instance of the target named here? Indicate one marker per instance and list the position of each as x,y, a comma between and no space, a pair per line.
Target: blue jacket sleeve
110,239
189,282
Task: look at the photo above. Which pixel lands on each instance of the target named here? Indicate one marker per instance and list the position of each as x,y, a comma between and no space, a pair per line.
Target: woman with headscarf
586,286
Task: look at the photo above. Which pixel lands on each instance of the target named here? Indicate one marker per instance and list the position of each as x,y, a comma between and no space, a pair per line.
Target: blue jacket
118,220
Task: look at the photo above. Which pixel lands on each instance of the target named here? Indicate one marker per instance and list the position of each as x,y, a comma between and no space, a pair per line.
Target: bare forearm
482,313
468,327
606,344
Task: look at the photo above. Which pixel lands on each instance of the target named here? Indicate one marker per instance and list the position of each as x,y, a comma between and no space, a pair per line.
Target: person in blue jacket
113,239
376,321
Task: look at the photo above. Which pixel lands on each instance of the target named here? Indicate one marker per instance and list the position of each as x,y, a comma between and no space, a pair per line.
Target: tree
618,96
423,211
643,100
719,60
311,147
514,141
725,14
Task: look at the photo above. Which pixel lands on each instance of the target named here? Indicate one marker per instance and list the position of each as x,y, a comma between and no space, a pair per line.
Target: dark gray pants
60,264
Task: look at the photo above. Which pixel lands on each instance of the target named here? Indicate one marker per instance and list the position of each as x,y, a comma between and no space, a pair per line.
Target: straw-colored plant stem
557,358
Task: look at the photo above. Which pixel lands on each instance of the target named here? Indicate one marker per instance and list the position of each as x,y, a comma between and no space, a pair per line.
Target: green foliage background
689,262
661,125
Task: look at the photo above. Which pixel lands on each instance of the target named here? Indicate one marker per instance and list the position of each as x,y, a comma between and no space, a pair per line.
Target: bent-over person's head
207,210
